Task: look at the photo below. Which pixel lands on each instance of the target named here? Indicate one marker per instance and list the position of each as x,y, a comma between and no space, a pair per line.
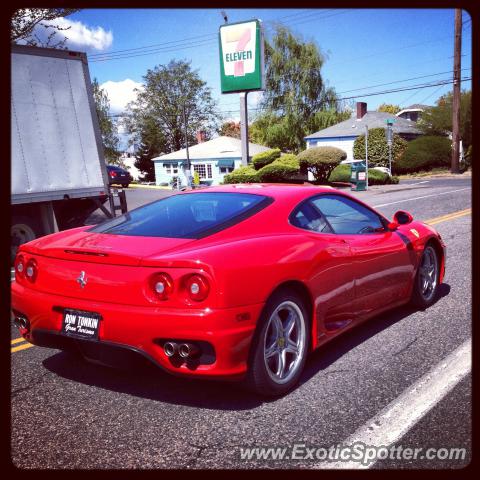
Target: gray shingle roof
353,127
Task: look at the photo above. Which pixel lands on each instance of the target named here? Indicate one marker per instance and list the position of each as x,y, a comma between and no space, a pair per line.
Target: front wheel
280,345
425,289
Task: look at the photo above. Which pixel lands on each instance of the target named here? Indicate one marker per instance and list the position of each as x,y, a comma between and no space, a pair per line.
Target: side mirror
402,218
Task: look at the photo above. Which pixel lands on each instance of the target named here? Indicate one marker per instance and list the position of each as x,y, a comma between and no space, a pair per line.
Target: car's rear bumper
142,330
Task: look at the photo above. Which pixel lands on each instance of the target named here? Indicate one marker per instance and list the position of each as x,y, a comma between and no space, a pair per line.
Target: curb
155,187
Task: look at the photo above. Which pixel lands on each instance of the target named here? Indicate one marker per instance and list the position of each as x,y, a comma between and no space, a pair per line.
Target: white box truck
58,171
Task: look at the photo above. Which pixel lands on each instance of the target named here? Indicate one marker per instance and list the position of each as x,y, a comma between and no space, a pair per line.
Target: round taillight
20,265
197,287
31,270
162,285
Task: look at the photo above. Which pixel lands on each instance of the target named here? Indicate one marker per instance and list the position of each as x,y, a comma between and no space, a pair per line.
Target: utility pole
244,126
456,92
187,170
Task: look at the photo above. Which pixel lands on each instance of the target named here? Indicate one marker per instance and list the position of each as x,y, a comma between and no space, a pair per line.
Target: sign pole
366,155
187,169
244,126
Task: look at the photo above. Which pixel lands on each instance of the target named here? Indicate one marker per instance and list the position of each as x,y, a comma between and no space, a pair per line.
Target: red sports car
235,282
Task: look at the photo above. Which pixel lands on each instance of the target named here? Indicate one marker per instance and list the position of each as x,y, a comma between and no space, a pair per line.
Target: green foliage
243,174
340,173
196,178
438,120
295,92
152,144
388,108
281,170
425,153
264,158
320,161
26,23
167,88
375,177
378,148
108,128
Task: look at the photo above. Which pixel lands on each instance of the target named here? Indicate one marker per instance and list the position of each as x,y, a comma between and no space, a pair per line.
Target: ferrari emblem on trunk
82,279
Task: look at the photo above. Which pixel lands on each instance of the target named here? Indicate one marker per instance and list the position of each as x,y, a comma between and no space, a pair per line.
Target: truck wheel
125,185
23,230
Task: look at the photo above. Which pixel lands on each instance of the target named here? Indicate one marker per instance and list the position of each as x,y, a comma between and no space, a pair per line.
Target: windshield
193,215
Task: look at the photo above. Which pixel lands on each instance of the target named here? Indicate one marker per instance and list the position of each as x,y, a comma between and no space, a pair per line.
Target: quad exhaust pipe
21,322
184,350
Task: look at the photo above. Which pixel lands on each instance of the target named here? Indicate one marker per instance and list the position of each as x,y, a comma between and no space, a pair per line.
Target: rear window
193,215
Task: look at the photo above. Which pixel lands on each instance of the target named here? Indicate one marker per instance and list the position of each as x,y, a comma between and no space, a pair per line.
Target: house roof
220,147
353,127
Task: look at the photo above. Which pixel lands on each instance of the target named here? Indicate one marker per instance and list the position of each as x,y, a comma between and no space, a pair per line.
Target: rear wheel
425,288
125,185
280,345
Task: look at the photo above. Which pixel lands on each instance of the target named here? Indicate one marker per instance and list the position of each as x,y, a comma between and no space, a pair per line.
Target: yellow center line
450,216
18,340
21,347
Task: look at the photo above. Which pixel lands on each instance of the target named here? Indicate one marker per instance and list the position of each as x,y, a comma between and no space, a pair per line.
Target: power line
383,92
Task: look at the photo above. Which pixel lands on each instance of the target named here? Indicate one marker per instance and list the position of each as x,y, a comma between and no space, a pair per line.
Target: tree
108,127
438,120
26,20
230,129
295,92
389,108
378,147
152,144
159,105
321,161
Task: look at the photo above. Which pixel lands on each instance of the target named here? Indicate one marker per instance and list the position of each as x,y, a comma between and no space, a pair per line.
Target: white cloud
120,93
79,36
254,98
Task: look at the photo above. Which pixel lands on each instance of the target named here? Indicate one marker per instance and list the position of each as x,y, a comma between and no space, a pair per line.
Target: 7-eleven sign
241,57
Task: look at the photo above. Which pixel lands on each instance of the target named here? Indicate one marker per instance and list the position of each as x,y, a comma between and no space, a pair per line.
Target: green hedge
281,170
375,177
378,147
244,174
425,153
260,160
320,161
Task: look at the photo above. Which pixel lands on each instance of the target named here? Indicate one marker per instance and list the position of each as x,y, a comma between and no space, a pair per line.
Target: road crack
406,347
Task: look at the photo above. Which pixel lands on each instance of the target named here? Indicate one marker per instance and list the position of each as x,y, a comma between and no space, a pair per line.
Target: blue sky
363,48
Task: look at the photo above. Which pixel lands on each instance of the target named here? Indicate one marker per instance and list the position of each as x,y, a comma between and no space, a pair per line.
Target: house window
171,168
201,170
226,169
209,170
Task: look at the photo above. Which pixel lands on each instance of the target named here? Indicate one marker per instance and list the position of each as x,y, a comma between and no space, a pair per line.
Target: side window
347,216
308,217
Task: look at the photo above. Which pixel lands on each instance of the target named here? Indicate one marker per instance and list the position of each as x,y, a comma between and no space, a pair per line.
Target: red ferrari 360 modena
233,282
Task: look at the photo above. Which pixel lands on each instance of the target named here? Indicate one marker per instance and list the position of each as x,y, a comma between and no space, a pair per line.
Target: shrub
243,174
260,160
375,177
281,170
425,153
378,147
341,173
321,161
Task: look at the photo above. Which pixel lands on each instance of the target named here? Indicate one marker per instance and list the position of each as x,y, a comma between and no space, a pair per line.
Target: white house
343,134
212,160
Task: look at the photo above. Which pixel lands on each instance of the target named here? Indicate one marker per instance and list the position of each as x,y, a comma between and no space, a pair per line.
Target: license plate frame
80,323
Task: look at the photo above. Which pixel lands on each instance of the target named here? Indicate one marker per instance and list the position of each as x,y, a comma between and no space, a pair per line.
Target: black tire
422,298
23,229
125,185
258,378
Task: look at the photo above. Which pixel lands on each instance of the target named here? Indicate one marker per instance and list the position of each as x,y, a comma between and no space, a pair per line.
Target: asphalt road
85,416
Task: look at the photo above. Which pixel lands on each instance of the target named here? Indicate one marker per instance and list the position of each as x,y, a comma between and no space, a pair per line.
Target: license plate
80,323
